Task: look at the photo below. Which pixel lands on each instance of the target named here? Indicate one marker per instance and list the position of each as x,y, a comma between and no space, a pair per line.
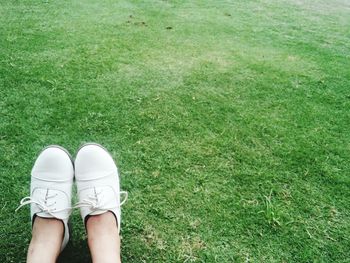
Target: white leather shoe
98,182
51,187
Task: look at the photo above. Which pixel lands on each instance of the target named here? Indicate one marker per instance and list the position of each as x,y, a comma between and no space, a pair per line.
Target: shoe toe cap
53,164
93,160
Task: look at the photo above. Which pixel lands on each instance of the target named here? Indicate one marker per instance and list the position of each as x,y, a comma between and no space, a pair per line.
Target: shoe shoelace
43,204
94,201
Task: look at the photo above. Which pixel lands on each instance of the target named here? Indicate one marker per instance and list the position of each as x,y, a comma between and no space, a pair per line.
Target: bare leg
47,236
103,238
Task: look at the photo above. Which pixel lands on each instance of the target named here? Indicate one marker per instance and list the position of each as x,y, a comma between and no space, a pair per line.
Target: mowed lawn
229,121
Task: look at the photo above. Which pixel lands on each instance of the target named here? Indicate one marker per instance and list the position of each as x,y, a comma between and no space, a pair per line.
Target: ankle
103,224
45,229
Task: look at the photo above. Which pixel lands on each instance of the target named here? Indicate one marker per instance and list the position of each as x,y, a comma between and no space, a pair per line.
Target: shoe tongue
104,197
54,201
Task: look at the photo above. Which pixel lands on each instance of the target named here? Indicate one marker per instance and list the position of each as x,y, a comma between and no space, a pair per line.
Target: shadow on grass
75,252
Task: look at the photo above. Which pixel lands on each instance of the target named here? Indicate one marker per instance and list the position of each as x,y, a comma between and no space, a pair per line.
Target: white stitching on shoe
50,180
95,178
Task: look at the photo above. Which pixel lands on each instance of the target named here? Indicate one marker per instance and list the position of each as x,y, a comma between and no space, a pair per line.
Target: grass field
229,121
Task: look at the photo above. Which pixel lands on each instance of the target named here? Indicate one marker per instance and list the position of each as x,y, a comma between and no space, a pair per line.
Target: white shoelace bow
94,201
42,204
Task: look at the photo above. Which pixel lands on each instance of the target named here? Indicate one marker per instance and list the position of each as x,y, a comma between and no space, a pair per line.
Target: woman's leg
103,238
47,236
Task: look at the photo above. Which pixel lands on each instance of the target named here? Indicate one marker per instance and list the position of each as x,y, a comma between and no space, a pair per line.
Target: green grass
229,121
